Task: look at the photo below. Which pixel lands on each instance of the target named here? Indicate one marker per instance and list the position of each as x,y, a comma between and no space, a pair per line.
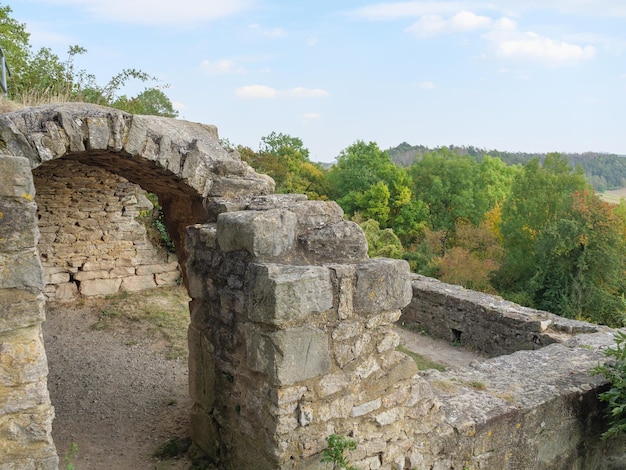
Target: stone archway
182,162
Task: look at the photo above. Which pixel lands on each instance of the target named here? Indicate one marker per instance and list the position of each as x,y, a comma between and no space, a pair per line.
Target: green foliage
41,76
286,160
540,195
335,452
154,221
580,261
381,242
615,372
450,186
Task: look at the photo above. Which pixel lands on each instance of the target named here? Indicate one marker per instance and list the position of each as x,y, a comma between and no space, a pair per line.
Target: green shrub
614,371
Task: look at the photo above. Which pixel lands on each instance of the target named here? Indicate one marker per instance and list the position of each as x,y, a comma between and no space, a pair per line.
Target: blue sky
516,75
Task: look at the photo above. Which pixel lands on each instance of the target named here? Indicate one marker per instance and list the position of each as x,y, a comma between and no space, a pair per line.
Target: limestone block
332,383
365,408
261,233
170,278
15,177
203,432
18,225
279,294
137,283
201,368
98,132
337,242
288,356
100,287
120,271
22,360
20,308
89,275
66,292
57,278
25,440
382,285
21,270
310,214
156,268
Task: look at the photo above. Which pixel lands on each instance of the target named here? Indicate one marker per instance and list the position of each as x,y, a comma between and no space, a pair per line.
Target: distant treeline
604,171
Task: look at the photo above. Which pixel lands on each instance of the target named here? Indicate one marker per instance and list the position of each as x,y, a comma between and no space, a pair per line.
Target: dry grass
423,363
163,311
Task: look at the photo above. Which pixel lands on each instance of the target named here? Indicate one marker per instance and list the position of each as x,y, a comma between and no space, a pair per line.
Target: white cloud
427,85
179,106
464,21
271,32
256,91
308,117
312,41
399,10
158,12
532,47
301,92
220,67
263,91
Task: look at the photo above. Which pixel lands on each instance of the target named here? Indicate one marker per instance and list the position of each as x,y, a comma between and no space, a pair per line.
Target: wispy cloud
399,10
426,85
264,92
464,21
308,117
158,12
268,32
532,47
220,67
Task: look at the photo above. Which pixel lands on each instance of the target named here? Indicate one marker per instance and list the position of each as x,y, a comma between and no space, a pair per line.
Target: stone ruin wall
92,241
291,324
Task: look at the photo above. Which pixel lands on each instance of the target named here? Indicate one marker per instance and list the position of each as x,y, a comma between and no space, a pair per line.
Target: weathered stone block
170,278
100,287
22,358
18,223
21,270
261,233
20,308
288,356
342,241
204,433
137,283
382,285
15,177
279,294
201,368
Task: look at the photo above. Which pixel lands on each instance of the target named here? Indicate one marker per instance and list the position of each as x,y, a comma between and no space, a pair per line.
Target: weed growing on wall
615,372
335,452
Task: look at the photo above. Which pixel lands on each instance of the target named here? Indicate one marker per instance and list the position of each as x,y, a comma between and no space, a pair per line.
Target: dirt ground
119,399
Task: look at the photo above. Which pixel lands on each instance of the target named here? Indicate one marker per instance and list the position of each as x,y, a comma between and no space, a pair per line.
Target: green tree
580,263
540,195
365,180
286,160
450,186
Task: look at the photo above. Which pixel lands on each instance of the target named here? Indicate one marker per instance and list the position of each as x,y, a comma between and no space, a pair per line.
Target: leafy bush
615,372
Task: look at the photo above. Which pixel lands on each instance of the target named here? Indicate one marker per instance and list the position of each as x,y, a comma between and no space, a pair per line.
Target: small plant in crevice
70,455
615,372
335,452
154,221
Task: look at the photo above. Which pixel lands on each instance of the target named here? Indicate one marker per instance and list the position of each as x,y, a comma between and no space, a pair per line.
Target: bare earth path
117,396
